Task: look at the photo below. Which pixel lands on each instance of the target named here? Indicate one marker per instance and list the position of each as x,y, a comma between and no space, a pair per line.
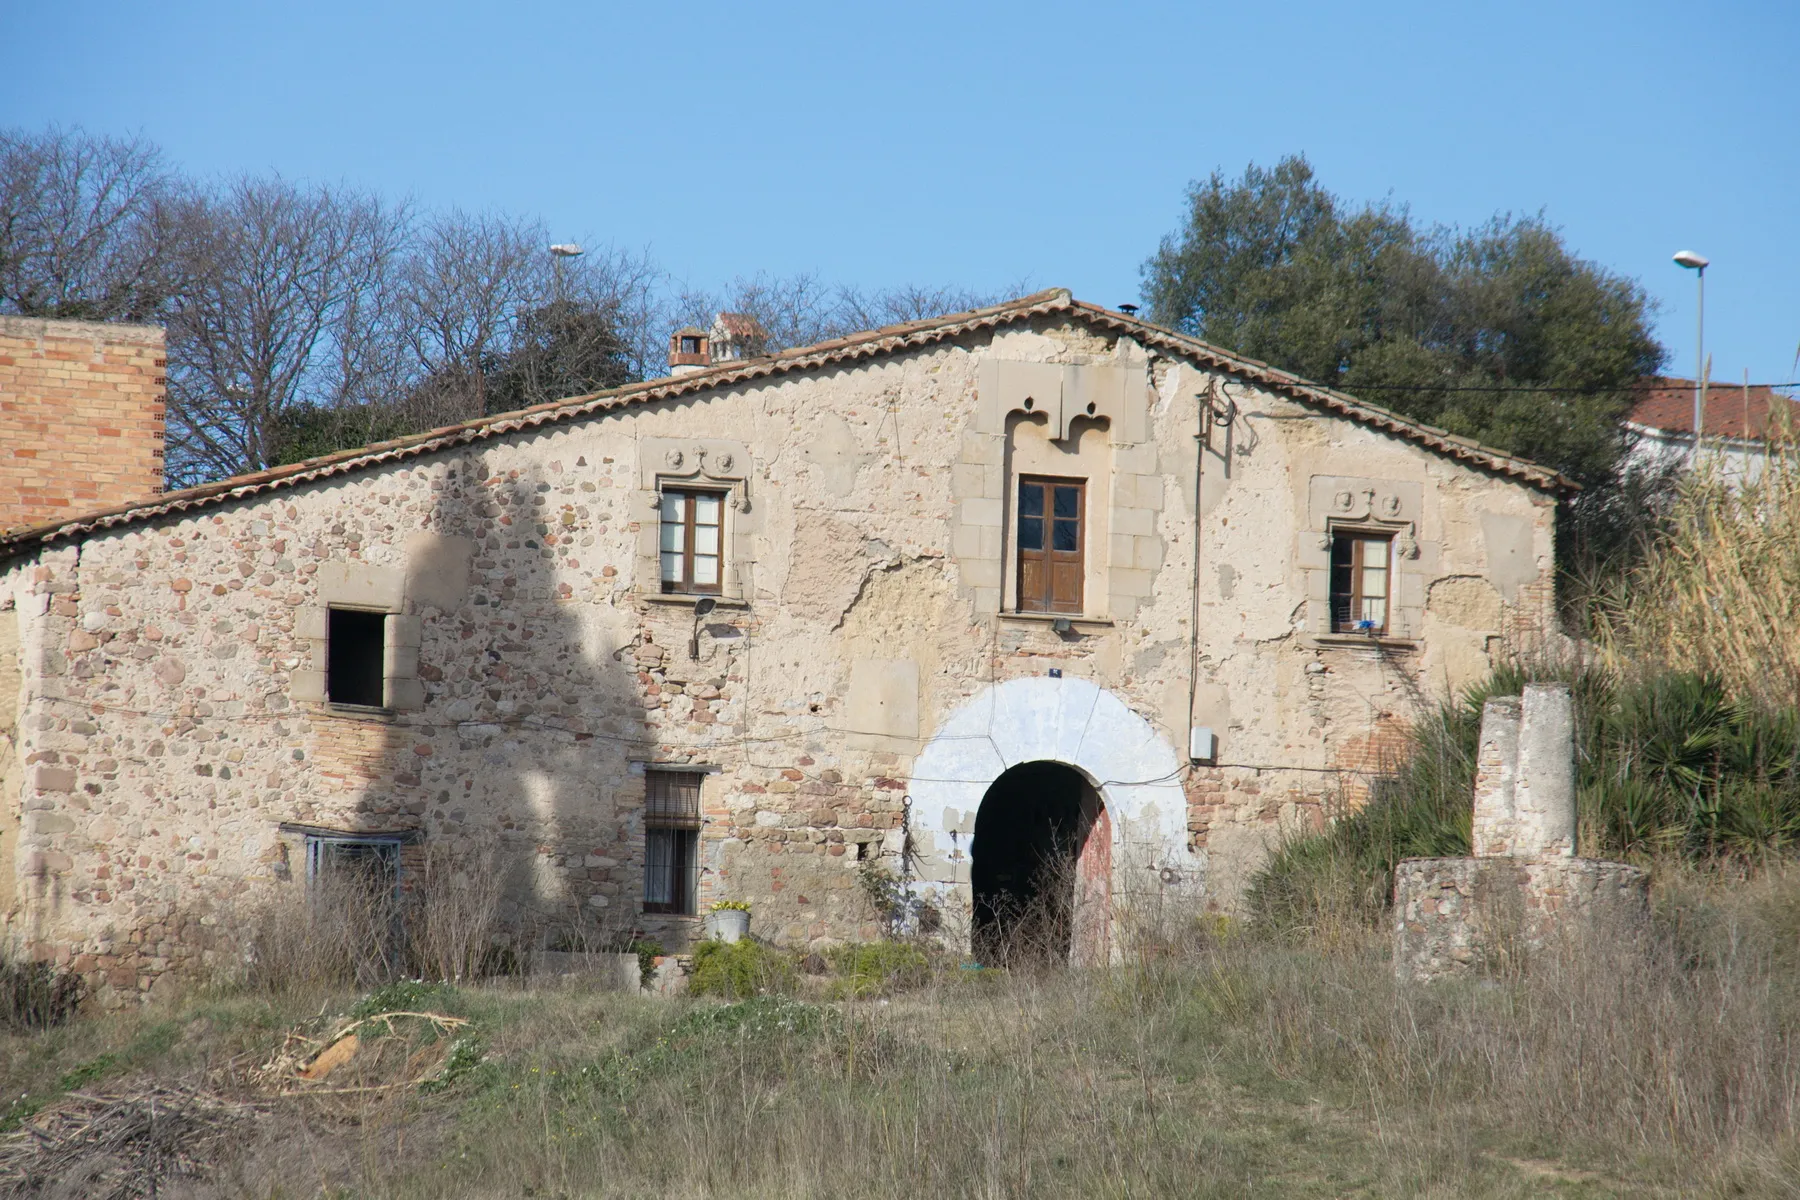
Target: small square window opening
355,641
692,541
1360,577
671,840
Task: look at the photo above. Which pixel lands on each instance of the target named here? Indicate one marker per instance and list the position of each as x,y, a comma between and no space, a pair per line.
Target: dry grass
352,929
1210,1062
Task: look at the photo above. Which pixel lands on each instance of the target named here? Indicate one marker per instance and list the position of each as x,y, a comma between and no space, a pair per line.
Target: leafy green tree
1498,333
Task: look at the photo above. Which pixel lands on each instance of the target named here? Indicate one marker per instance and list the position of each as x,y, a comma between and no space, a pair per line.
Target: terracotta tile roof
1667,404
873,343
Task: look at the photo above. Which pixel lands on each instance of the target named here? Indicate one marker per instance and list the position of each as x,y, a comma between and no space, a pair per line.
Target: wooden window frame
1346,604
672,810
686,586
1047,600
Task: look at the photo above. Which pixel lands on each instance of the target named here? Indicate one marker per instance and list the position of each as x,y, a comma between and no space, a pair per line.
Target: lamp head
704,605
566,250
1691,261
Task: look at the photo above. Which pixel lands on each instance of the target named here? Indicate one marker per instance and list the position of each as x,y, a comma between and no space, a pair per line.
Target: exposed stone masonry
174,730
1524,887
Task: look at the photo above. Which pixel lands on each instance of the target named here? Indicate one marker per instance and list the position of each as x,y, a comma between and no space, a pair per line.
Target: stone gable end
844,704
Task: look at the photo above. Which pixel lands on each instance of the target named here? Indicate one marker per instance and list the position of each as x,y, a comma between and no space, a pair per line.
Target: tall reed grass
1717,591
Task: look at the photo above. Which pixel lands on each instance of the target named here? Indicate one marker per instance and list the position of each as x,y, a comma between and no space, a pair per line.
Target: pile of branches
120,1145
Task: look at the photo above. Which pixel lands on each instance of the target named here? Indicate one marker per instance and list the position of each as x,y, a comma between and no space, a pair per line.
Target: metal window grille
671,840
375,860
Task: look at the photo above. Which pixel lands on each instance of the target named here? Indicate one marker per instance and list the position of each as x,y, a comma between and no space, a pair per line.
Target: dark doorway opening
1041,841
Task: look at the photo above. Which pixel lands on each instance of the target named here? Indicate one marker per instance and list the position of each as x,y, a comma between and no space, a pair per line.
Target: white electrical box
1202,745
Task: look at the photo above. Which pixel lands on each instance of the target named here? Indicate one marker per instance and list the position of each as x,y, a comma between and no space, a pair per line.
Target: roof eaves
868,344
1461,448
852,347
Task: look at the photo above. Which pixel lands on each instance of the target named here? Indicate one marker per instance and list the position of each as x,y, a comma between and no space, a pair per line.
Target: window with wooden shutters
693,531
1051,537
671,840
1360,576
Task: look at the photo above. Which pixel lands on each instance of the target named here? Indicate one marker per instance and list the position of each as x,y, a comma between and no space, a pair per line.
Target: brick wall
81,417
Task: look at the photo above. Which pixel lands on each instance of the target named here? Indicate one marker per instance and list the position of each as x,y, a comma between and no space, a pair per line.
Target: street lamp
1698,264
561,252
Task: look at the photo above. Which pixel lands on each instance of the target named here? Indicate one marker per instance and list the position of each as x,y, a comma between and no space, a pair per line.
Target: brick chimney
689,350
81,418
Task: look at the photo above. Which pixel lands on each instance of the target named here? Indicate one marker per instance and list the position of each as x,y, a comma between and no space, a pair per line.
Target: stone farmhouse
1034,584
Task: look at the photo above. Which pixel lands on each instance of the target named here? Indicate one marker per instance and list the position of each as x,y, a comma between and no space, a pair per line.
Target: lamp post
560,252
1698,264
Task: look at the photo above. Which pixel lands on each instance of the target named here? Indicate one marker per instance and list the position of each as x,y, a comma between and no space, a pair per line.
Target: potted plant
728,920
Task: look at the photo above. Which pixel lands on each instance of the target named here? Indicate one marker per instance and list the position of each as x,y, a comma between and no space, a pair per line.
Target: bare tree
279,312
88,226
495,322
798,310
463,286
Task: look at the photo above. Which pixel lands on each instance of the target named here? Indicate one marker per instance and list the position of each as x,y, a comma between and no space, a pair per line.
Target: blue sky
983,144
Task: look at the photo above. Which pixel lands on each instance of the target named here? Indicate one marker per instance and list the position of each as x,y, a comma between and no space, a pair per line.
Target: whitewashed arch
1041,719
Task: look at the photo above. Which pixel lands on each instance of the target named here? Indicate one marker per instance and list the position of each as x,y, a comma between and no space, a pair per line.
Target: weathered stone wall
81,417
174,719
1524,886
9,760
1459,916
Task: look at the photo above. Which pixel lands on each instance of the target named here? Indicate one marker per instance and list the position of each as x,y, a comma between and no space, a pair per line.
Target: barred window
671,840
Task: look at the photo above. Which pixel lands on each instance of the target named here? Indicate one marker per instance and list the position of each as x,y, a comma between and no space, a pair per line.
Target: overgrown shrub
878,969
35,995
452,916
351,928
1667,764
340,932
741,969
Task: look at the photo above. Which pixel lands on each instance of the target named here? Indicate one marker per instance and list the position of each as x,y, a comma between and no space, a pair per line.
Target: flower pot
727,925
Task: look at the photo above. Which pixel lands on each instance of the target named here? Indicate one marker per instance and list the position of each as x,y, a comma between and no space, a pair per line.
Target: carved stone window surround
701,463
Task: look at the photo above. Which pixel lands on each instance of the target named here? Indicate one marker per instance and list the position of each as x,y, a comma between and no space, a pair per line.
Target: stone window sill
360,712
689,599
1075,619
1384,641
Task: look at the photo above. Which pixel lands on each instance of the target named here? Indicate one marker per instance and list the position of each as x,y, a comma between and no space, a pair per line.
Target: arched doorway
1041,867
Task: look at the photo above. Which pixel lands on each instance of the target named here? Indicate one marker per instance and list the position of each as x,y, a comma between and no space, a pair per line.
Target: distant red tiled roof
1667,404
838,351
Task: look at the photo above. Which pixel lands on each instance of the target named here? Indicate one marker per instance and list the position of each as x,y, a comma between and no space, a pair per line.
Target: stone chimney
689,350
737,336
